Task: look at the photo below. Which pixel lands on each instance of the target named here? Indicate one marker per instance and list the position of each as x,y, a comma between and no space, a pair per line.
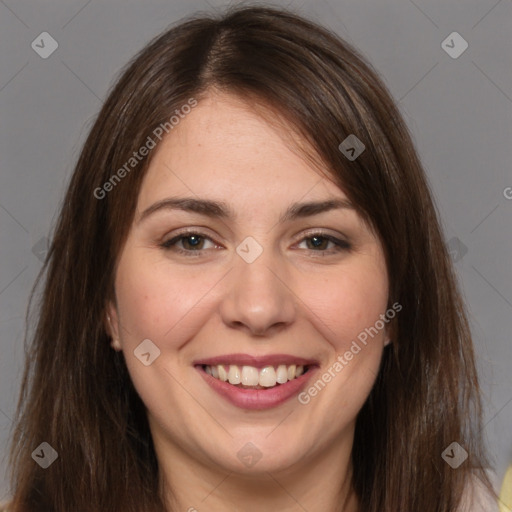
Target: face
254,311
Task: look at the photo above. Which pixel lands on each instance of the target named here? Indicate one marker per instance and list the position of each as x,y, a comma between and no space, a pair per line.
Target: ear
390,333
111,322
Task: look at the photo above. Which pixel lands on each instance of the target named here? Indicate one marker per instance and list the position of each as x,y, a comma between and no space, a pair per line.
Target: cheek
146,305
158,302
346,310
348,304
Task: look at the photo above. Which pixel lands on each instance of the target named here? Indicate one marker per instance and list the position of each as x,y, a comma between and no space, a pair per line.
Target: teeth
249,376
223,374
268,377
282,374
234,375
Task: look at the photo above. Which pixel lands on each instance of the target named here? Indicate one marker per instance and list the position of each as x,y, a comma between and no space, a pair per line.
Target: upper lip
256,361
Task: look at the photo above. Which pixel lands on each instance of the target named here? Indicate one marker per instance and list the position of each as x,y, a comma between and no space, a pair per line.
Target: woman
248,303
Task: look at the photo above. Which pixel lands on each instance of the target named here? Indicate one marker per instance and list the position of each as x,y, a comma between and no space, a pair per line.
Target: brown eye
319,242
193,242
188,243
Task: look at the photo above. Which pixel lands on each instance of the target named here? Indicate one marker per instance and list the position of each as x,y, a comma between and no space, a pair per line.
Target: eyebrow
220,210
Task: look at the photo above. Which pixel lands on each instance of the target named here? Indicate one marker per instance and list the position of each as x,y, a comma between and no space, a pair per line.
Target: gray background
459,111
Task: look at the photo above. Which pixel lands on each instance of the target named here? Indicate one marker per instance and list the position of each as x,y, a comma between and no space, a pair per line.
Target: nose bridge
257,297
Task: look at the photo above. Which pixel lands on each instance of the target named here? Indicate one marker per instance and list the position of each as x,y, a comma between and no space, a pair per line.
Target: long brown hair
76,392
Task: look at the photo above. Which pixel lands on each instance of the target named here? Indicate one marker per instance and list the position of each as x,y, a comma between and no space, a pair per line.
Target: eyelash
340,245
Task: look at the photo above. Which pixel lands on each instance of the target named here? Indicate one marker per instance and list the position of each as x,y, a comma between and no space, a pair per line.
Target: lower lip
258,399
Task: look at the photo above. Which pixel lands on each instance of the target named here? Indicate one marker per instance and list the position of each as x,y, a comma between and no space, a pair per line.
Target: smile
255,382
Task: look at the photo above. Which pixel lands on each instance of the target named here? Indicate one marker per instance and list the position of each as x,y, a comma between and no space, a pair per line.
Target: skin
293,299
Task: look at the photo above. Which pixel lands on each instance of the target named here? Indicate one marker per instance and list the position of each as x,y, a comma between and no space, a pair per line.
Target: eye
192,243
325,243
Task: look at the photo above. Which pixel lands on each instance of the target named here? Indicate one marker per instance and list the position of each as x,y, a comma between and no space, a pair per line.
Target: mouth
254,382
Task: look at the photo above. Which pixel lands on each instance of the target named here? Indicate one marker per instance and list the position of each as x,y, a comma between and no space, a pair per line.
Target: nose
258,299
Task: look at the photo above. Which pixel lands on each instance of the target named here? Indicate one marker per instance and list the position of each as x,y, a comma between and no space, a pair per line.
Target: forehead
224,149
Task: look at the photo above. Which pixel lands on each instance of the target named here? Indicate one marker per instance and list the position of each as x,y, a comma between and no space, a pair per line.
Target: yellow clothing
506,492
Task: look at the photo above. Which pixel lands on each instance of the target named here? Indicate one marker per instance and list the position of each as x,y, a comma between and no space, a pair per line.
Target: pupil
317,241
193,240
